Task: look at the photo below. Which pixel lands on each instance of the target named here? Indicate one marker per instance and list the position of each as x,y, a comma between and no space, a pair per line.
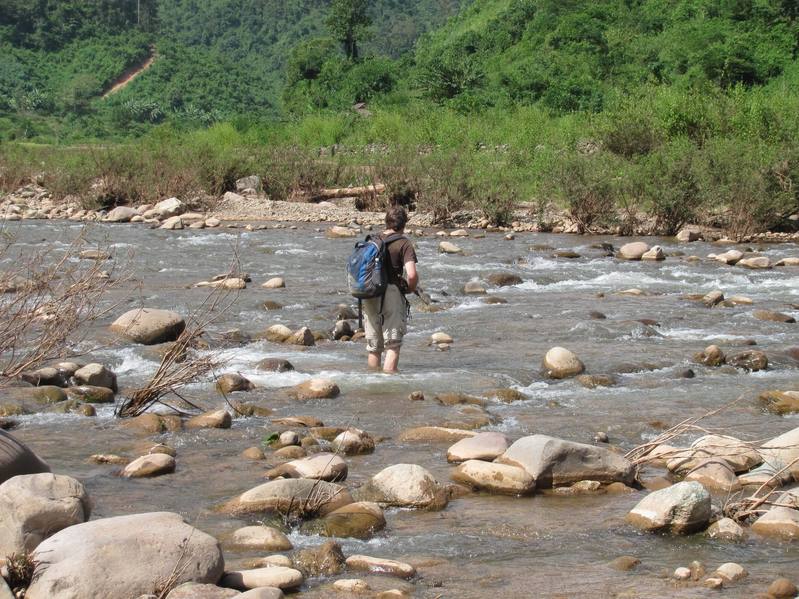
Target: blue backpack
367,274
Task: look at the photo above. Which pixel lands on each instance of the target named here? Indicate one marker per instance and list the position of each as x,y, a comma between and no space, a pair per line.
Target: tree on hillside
349,23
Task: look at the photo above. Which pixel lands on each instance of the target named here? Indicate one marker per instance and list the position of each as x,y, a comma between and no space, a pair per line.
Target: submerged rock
770,315
123,557
322,466
358,520
683,508
324,560
376,565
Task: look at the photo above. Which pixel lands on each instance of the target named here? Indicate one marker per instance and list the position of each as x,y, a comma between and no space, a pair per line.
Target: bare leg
373,360
392,360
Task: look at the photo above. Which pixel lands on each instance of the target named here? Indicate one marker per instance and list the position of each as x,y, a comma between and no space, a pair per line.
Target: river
480,545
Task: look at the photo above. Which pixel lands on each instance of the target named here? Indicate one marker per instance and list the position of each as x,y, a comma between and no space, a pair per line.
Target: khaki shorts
385,330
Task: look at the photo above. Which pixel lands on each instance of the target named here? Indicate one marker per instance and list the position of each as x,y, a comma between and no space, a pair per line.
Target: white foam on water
609,281
291,252
702,335
207,238
470,304
471,267
131,362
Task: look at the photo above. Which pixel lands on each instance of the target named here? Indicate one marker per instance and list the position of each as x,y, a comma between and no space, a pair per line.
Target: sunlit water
481,545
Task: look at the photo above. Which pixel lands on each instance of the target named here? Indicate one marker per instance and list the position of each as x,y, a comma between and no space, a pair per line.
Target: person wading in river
387,316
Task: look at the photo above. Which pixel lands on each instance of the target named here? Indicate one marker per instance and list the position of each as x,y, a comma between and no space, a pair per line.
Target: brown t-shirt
399,252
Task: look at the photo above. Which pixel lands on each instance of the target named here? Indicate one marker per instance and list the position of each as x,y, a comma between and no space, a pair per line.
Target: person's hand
403,286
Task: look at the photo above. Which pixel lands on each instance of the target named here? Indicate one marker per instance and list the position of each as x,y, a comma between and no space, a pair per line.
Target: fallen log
348,192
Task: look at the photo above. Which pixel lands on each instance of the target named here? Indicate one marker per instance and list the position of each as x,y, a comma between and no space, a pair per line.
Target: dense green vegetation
625,112
217,59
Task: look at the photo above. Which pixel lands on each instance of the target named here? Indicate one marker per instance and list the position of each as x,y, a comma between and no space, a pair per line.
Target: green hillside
215,59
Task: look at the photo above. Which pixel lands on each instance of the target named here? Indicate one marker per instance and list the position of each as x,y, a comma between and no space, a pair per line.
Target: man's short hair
396,217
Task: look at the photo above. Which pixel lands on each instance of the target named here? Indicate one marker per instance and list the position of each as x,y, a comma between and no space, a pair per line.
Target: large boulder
716,474
301,497
126,556
560,363
16,458
404,485
554,462
682,508
633,251
494,477
322,466
35,506
780,522
149,326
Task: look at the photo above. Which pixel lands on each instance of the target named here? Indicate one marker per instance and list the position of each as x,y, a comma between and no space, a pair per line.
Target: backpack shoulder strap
393,237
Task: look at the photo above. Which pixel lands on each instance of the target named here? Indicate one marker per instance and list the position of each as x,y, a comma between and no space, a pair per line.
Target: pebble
682,573
782,588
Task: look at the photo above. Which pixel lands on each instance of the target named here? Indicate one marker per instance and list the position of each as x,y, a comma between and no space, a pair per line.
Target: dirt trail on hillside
132,73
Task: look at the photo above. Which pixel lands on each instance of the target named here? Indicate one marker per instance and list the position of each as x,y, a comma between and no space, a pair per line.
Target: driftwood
348,192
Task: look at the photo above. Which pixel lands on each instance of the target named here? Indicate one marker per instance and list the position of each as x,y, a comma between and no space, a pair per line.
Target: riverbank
249,209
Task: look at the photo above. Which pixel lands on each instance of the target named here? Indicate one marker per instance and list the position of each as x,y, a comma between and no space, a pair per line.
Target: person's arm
411,276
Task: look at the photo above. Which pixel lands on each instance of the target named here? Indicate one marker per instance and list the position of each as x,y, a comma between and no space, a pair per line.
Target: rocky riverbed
509,457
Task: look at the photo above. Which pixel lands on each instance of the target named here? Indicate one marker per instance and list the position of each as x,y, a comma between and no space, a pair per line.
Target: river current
480,545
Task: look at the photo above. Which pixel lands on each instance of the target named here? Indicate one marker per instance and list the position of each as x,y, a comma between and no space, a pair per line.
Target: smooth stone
503,279
149,326
474,288
655,253
253,453
148,466
726,529
90,394
683,508
770,315
376,565
554,462
274,283
682,573
441,337
358,520
740,456
756,262
262,593
278,333
96,375
314,389
730,257
264,538
752,360
494,478
173,223
272,576
783,449
231,382
715,474
341,232
353,442
483,446
434,434
323,466
710,356
446,247
294,496
782,588
193,590
213,419
780,402
633,251
780,522
123,556
36,506
290,452
561,363
713,298
731,572
351,586
404,485
275,365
